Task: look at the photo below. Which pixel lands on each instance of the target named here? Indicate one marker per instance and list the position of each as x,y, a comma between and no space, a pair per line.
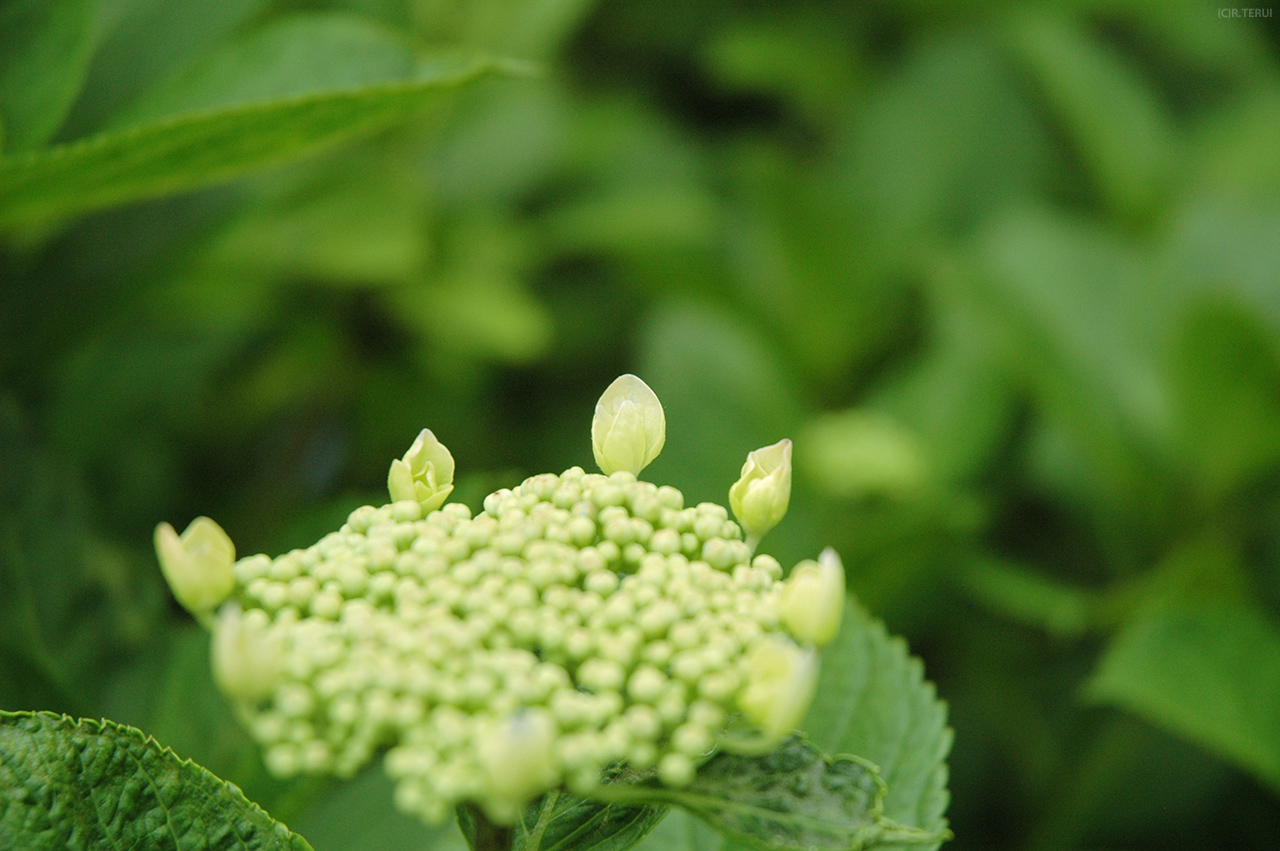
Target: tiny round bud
691,739
676,770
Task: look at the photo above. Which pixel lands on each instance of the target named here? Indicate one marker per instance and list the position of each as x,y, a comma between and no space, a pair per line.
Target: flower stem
486,836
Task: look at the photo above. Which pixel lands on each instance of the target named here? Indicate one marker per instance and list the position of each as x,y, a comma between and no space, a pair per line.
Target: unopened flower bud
760,497
246,654
781,678
424,475
519,756
629,428
197,565
813,599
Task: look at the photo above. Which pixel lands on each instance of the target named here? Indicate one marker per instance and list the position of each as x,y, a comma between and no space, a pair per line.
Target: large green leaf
44,51
280,92
873,701
95,784
793,798
1206,670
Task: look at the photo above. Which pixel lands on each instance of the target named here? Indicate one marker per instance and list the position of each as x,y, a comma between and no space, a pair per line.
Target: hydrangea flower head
579,621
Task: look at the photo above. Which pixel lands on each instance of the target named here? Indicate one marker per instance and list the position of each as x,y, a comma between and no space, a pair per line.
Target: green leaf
1226,369
290,58
792,798
1071,311
1120,128
1204,669
924,153
873,701
1027,596
281,92
559,821
44,53
140,43
725,392
96,784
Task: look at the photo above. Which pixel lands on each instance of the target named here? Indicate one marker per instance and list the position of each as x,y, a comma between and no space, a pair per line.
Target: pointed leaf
1209,671
44,53
281,92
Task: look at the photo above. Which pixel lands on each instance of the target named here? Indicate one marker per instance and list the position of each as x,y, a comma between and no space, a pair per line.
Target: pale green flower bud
246,654
629,427
424,475
781,678
813,599
760,497
198,565
519,756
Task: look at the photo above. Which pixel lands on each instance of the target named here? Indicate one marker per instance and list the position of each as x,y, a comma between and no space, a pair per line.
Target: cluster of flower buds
580,620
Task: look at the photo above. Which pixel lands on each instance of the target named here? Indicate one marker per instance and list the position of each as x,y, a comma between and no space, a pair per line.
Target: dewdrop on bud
198,564
781,678
760,497
813,599
518,758
629,428
245,654
424,475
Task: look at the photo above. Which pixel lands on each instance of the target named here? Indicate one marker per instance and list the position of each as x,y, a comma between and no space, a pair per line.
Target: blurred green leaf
359,814
946,138
954,398
69,602
1028,597
1220,246
873,701
1069,311
1204,668
1234,153
1120,127
724,392
863,453
1226,374
635,219
282,91
288,59
804,60
680,831
44,54
141,42
94,784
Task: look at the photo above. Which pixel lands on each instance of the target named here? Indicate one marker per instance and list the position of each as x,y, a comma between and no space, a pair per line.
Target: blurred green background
1008,274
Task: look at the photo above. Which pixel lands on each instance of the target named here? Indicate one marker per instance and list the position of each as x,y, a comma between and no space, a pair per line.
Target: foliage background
1009,274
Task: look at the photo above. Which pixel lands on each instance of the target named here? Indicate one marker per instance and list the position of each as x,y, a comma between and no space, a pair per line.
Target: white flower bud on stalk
813,599
246,654
629,427
781,679
518,756
425,474
762,494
